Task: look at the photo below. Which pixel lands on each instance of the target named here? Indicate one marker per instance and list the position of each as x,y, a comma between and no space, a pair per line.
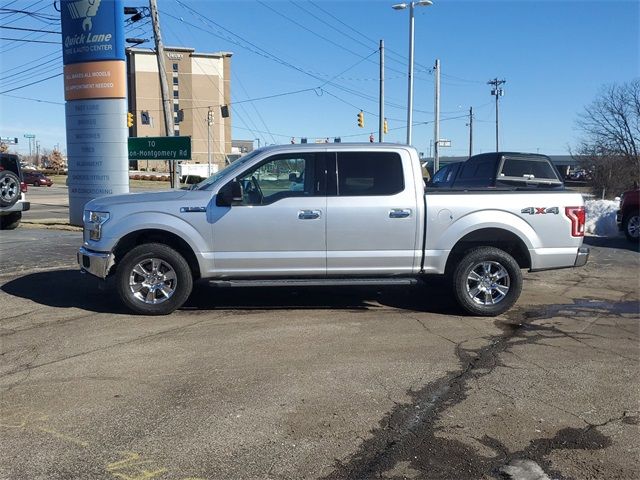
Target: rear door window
369,173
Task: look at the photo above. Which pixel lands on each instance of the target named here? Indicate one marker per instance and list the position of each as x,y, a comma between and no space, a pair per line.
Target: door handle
308,214
400,213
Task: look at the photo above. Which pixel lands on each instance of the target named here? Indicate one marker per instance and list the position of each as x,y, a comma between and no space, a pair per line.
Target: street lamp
402,6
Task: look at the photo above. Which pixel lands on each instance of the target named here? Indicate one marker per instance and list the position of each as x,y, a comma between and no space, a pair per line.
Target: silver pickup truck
331,214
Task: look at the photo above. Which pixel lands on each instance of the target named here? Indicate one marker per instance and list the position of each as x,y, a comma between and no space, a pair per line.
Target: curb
50,225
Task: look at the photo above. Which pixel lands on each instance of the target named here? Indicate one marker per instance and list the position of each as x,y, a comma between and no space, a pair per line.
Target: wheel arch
490,237
155,235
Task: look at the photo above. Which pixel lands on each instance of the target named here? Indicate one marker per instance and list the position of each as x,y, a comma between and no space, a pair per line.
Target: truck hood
104,203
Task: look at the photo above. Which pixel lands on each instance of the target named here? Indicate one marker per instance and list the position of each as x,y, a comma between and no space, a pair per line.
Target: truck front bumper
582,257
95,263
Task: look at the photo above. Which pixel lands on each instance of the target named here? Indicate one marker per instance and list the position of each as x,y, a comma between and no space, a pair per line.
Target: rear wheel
631,226
11,221
9,188
487,281
153,279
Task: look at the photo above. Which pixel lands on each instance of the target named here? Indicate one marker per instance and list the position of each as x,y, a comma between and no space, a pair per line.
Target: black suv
12,202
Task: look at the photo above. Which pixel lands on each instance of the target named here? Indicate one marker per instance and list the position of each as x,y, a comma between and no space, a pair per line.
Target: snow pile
601,217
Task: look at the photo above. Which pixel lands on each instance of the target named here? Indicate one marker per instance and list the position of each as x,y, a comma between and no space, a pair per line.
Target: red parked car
37,179
628,217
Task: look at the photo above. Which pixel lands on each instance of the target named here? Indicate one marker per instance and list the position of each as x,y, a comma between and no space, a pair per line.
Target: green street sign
159,148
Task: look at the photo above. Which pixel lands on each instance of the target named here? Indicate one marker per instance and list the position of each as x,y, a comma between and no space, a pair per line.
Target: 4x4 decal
540,210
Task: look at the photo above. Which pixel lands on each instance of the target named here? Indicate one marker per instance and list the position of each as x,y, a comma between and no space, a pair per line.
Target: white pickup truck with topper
337,214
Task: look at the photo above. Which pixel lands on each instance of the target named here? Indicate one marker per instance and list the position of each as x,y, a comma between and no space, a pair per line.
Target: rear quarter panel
546,234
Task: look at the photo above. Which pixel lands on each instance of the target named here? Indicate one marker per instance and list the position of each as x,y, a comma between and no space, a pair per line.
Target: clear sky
554,56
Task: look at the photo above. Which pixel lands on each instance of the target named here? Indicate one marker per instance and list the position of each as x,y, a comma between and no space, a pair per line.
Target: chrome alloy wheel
153,281
8,188
488,283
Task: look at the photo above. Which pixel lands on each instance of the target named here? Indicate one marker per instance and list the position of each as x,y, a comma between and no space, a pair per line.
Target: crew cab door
278,229
372,224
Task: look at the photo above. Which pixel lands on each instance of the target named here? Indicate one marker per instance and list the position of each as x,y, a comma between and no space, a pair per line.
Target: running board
316,282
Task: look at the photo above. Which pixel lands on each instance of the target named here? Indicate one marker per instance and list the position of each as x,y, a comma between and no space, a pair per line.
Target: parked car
628,217
12,192
361,217
37,179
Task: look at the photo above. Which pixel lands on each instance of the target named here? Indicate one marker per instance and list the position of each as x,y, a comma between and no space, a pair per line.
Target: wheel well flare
491,237
140,237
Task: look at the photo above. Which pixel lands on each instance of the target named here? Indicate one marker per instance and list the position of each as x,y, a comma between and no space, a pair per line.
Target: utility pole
209,123
470,124
381,122
436,123
164,87
498,92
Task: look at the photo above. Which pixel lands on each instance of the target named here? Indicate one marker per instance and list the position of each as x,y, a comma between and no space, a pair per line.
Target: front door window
280,177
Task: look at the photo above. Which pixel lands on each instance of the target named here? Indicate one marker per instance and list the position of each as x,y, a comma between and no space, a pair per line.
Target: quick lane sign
92,30
159,148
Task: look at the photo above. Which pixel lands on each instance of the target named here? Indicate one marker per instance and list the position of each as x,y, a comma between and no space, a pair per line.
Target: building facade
200,93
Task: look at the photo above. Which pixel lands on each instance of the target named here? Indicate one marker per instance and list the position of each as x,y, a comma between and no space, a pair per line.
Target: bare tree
56,161
610,143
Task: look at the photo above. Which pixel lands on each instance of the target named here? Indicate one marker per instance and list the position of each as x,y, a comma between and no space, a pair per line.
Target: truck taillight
577,216
23,187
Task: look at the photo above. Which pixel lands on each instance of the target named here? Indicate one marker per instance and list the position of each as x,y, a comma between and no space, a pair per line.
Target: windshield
207,183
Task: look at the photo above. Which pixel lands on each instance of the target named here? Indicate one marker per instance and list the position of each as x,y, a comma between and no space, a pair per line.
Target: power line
13,79
30,62
33,99
32,83
316,33
404,59
22,40
29,29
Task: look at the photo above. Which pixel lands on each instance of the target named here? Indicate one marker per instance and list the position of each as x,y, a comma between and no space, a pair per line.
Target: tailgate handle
400,213
308,214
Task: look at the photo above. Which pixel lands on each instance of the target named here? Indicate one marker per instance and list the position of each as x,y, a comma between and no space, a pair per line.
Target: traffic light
129,119
385,126
361,119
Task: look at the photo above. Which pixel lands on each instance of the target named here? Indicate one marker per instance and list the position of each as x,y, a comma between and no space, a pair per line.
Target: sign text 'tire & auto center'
95,90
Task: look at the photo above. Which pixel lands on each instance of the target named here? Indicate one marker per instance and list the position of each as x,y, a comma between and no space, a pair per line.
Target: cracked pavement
345,383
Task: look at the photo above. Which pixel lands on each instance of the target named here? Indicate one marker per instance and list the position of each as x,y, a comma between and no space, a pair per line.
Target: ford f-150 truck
329,214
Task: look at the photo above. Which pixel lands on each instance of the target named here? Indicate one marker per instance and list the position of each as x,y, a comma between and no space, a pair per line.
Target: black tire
487,281
631,227
153,292
11,221
9,188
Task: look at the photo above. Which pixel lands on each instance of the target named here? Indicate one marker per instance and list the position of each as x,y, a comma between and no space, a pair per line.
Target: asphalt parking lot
346,383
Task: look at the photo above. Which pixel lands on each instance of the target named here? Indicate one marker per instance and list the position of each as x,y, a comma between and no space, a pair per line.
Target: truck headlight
93,222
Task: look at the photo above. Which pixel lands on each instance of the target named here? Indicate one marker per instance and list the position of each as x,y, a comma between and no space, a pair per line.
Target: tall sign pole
164,85
436,122
381,113
95,90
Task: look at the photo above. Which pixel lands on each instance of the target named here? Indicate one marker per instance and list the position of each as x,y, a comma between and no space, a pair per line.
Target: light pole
402,6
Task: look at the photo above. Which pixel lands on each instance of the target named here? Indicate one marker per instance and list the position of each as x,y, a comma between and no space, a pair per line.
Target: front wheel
153,279
487,281
631,227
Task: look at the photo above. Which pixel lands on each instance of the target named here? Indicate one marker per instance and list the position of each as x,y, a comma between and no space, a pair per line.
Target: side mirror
229,194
